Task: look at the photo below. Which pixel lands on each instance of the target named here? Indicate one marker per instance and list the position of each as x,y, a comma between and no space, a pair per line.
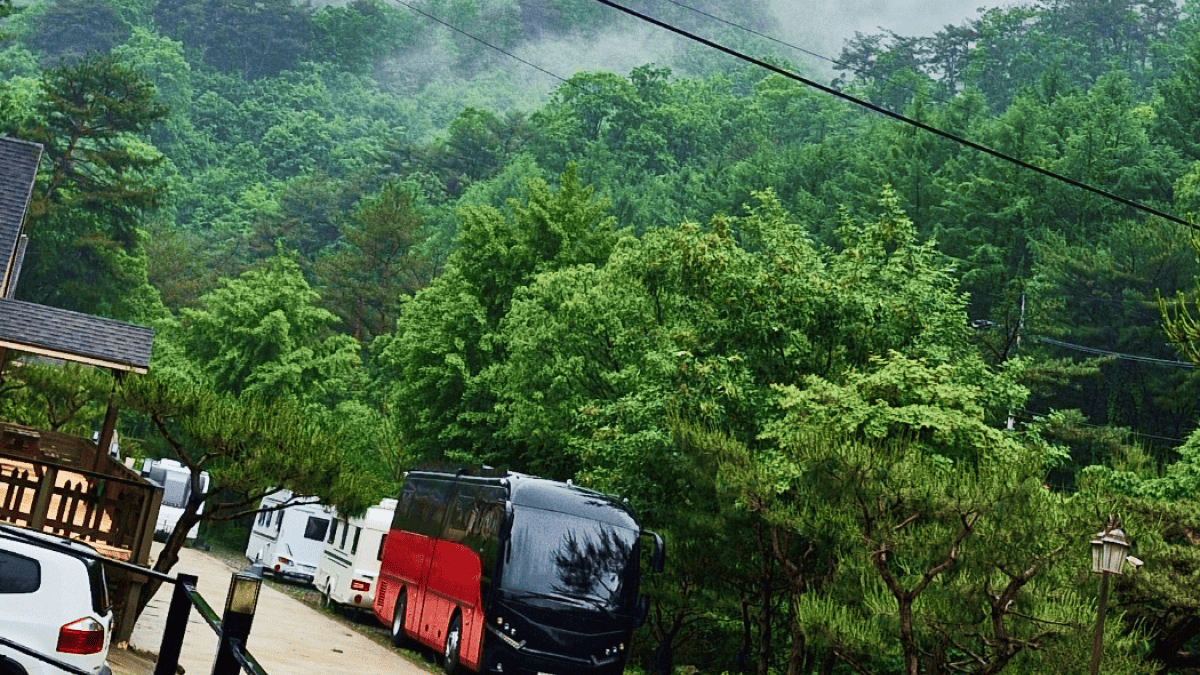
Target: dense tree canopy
873,386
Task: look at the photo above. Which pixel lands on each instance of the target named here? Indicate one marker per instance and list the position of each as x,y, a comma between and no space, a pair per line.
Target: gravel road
288,637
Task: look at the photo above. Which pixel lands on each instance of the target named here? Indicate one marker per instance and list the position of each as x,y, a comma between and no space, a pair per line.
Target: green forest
877,389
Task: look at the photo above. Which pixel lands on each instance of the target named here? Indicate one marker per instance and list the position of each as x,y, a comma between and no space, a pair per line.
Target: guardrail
232,628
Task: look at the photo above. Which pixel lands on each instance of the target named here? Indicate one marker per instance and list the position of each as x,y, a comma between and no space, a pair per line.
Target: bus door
454,576
417,524
464,560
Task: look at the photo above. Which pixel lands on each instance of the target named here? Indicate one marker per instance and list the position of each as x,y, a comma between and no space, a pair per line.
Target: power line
1031,416
764,36
479,40
896,116
1119,355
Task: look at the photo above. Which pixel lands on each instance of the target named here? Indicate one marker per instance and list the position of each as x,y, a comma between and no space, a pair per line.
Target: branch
904,523
968,522
850,662
290,502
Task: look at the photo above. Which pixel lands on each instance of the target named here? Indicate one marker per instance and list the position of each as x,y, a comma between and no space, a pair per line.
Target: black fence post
240,604
177,617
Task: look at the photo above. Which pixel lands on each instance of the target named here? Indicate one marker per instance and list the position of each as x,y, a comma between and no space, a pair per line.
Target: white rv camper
349,566
176,482
288,541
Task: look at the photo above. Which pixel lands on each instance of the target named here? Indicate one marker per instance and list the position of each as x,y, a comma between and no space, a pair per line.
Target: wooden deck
58,484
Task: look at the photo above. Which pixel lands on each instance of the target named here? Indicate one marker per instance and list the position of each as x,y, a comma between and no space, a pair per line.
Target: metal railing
232,628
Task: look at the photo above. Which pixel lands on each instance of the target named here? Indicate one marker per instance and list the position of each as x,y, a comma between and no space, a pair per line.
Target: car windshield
566,556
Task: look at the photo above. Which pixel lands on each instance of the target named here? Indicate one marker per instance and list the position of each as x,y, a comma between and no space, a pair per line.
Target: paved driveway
288,637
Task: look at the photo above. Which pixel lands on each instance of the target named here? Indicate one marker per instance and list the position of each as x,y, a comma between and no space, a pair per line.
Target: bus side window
382,542
402,519
332,532
460,510
345,531
354,546
486,542
278,520
434,511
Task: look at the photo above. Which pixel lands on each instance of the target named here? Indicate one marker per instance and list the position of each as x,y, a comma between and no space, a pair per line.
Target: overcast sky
823,27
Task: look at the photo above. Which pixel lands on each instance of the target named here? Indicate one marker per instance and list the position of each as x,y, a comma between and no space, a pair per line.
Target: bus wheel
453,641
398,620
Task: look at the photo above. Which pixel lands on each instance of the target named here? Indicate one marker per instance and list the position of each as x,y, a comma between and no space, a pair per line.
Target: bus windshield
558,555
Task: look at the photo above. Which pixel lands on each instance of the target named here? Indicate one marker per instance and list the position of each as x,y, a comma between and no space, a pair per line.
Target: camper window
382,541
332,532
354,546
315,529
345,531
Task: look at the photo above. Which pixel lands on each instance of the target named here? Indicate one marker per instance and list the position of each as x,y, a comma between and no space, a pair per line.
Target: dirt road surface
288,637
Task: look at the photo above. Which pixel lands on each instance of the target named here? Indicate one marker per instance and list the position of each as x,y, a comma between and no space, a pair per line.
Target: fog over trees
876,389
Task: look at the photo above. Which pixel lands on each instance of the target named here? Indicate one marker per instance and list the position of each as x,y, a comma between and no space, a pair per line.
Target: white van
288,541
350,563
176,482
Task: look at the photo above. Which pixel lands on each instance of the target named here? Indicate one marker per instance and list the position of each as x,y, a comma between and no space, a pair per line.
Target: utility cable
1119,355
938,97
765,36
479,40
1030,415
896,116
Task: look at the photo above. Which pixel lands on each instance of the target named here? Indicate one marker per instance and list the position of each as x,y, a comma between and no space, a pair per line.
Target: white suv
53,601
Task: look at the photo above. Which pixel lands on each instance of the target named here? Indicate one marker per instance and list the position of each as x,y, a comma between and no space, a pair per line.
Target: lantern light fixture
1109,548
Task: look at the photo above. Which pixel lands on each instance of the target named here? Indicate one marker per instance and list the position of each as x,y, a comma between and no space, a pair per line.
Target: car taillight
357,585
84,636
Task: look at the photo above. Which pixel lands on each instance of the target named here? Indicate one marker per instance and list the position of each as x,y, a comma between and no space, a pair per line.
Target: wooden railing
47,484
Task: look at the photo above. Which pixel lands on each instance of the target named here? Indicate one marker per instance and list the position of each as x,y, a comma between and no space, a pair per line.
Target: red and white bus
507,573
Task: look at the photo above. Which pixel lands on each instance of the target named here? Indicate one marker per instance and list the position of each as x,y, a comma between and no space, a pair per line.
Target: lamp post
239,615
1108,554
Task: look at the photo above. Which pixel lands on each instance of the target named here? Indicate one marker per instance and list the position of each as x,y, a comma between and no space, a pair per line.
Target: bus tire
453,645
398,638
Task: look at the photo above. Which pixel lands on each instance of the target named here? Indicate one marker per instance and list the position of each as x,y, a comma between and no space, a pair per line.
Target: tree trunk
796,654
743,657
908,640
828,662
169,555
764,617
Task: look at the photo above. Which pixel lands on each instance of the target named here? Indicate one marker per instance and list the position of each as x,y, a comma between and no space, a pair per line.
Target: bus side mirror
658,560
641,611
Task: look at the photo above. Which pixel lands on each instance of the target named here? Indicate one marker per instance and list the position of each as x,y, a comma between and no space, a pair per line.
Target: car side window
99,587
19,574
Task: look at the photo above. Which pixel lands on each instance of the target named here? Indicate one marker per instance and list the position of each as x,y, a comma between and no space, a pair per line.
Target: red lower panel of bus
440,577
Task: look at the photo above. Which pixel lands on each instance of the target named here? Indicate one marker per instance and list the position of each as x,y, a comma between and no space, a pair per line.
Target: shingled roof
63,334
18,170
49,331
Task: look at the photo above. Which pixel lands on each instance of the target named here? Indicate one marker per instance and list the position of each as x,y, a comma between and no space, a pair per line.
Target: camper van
176,481
288,540
350,564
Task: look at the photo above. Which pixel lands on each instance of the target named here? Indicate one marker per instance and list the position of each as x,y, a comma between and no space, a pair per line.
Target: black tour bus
508,573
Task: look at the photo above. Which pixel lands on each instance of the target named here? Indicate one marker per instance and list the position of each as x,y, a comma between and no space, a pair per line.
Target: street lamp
240,604
1108,554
